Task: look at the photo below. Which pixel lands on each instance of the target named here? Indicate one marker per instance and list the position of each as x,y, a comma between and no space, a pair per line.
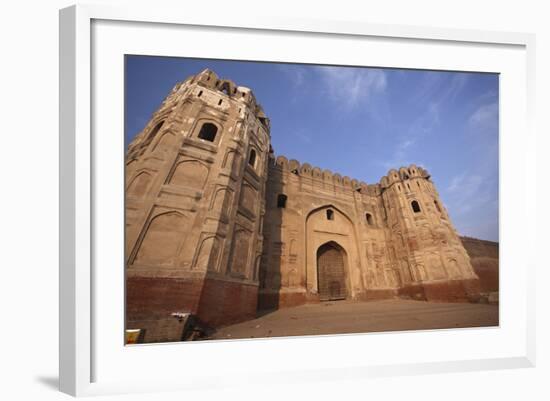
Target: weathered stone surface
216,225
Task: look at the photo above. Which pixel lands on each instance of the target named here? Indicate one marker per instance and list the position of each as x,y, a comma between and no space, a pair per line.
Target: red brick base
453,291
445,291
413,292
150,303
225,302
149,297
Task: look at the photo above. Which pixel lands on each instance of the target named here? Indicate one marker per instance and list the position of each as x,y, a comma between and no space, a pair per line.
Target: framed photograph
339,191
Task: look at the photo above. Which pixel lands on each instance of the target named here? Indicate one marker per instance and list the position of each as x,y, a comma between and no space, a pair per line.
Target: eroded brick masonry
216,225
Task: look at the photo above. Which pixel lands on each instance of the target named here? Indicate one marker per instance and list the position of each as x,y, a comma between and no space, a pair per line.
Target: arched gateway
331,272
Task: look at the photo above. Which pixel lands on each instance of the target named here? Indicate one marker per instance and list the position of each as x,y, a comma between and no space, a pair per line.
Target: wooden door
331,273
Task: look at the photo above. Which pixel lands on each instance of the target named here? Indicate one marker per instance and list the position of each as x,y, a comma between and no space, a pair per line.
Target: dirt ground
360,317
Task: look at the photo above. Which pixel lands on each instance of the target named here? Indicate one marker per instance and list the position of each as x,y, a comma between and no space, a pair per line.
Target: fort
219,227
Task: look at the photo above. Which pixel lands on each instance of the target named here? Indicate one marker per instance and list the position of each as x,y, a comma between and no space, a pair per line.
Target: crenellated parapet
403,174
208,79
323,175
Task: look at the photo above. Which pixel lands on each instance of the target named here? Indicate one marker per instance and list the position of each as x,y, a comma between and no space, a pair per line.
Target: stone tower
424,247
195,190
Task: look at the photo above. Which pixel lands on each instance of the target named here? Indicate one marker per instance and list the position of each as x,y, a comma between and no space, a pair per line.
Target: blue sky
361,122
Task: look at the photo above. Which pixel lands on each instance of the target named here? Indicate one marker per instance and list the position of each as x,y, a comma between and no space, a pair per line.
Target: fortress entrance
331,272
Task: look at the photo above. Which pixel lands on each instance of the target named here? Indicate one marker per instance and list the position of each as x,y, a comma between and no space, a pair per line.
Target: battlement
404,173
306,170
210,80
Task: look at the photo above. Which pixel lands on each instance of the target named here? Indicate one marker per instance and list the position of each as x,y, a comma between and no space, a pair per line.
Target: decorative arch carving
241,247
248,198
162,239
229,159
207,255
189,174
166,141
328,206
139,185
222,201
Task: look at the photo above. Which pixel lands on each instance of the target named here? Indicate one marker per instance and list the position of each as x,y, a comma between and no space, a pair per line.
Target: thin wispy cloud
470,193
438,88
350,87
296,74
464,184
426,121
404,155
485,116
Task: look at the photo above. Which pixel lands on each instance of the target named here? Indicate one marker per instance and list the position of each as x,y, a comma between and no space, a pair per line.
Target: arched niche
189,174
248,198
339,228
207,254
166,142
161,241
139,185
240,253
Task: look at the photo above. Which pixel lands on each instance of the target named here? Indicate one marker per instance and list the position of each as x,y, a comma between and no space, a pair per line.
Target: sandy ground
360,317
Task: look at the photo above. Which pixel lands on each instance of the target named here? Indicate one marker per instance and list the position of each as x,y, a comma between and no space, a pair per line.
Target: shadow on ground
52,382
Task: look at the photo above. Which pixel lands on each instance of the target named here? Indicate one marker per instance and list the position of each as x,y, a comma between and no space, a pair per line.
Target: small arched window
370,220
208,132
330,214
281,201
252,158
200,94
437,206
415,206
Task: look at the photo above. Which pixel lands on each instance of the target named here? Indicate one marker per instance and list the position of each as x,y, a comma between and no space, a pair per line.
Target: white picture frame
92,363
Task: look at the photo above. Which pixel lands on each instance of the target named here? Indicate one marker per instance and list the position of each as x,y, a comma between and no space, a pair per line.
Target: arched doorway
331,273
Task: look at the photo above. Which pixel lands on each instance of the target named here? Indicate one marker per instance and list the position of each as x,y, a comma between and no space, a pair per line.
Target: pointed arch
331,271
161,239
166,141
139,184
328,206
190,174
